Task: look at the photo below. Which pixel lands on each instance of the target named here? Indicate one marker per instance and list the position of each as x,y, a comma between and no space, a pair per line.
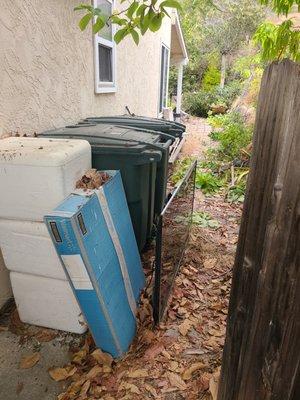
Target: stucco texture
47,68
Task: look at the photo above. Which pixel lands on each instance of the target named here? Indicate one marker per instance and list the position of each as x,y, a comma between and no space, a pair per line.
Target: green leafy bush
233,138
211,78
207,182
224,120
232,135
199,103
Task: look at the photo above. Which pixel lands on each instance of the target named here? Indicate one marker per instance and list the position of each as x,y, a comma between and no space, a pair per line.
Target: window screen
164,78
105,63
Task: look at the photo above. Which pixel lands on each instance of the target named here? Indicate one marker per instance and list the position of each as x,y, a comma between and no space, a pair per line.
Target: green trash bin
141,158
172,128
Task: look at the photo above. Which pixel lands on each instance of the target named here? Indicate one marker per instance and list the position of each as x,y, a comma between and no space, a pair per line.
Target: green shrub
232,135
233,138
227,94
199,103
207,182
211,78
223,120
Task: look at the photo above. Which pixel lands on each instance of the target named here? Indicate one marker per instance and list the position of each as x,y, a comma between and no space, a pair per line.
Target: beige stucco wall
47,69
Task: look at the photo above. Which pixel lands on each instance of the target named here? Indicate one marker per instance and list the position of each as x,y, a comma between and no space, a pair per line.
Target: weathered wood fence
261,357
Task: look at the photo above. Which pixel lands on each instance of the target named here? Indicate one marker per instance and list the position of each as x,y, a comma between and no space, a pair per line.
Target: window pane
106,8
105,63
163,78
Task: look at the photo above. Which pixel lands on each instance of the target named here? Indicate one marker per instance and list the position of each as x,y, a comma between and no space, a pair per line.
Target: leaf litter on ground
179,359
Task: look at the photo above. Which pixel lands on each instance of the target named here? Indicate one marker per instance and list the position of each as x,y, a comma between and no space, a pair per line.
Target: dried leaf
85,388
46,335
173,366
151,390
185,327
214,384
210,263
204,381
188,373
102,358
96,370
175,380
138,373
61,374
29,361
131,387
148,336
79,356
154,350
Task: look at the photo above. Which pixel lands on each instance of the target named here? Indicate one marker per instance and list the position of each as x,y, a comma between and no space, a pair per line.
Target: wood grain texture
261,357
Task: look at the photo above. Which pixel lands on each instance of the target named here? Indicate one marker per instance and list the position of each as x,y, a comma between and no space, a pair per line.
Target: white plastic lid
41,151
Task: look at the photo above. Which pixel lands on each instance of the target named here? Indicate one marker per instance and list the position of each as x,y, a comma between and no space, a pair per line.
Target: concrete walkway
34,383
197,140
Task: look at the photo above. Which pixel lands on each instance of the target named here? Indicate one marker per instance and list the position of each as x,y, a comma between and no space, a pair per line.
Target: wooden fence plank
261,358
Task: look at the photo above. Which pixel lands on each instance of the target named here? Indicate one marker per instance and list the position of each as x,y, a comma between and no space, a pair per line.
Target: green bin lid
157,124
112,139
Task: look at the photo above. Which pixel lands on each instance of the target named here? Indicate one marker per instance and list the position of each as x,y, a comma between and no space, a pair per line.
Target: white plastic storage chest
47,302
27,248
36,174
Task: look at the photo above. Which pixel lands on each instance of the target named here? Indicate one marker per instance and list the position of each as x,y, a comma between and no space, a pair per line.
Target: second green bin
141,157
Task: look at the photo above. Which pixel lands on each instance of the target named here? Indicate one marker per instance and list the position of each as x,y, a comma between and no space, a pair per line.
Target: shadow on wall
5,288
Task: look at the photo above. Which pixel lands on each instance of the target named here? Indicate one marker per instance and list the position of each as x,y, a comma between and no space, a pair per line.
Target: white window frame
160,111
105,87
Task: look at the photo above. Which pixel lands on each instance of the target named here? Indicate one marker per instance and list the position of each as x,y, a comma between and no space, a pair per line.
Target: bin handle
163,134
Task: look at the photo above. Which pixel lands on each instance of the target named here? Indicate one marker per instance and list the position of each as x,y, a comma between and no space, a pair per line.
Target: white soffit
179,53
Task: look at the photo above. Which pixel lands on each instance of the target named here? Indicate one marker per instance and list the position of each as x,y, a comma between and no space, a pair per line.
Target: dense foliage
201,102
225,167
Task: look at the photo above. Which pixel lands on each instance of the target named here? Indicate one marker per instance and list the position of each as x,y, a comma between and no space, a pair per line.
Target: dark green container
142,160
174,129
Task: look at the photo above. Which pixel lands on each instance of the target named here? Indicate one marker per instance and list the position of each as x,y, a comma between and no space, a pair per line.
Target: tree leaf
83,7
121,34
135,36
141,10
29,361
156,22
84,21
132,9
171,4
99,24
